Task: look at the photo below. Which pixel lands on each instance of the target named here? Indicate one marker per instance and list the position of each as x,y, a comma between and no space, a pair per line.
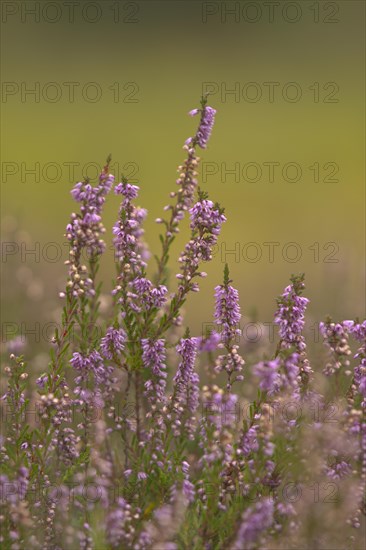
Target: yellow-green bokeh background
169,53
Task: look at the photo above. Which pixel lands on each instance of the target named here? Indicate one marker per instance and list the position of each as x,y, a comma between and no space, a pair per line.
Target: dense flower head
129,191
86,193
112,344
227,311
92,363
154,354
358,330
290,316
205,127
227,316
145,295
85,363
93,197
205,216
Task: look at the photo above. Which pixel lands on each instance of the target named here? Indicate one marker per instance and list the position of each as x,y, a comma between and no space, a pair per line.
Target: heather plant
126,448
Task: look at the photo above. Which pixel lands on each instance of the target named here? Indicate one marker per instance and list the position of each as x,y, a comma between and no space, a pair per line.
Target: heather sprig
130,253
290,318
130,250
113,342
227,317
187,182
207,120
84,231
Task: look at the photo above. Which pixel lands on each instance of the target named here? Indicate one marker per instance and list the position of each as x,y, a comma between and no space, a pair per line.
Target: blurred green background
169,50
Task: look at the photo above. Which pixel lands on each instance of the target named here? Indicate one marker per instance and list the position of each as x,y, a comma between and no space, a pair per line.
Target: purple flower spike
84,231
113,342
146,295
290,317
129,191
227,316
227,312
205,128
